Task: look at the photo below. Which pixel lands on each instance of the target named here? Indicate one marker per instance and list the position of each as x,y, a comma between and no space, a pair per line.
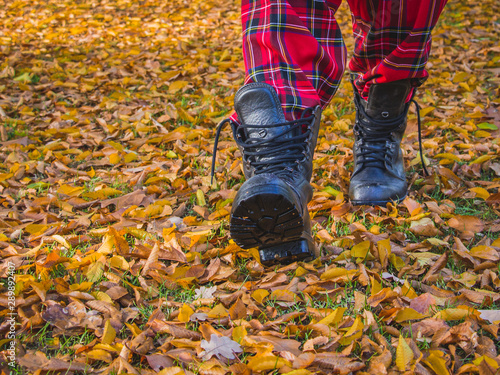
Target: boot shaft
379,176
269,143
387,101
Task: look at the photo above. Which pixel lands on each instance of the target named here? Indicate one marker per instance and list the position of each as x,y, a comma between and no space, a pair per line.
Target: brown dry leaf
304,360
422,303
424,227
466,224
37,361
238,310
337,363
159,327
384,295
436,267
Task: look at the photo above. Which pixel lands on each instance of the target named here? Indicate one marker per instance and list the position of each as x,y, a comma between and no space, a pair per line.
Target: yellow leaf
354,332
219,311
404,354
300,271
259,295
461,77
408,314
61,240
91,173
114,158
481,159
489,361
375,286
109,348
136,331
225,55
448,156
106,246
95,271
333,318
101,296
102,193
465,86
335,272
109,334
482,134
455,313
185,116
437,363
172,371
117,261
36,228
201,198
166,76
100,355
130,157
152,210
298,372
185,313
239,333
82,287
284,295
268,362
484,252
408,291
480,192
176,86
140,233
425,111
361,249
397,261
345,255
71,191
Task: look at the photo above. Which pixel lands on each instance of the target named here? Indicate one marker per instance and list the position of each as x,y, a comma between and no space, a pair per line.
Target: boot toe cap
375,193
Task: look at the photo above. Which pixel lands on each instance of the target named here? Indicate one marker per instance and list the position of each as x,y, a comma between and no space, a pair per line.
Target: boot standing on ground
294,59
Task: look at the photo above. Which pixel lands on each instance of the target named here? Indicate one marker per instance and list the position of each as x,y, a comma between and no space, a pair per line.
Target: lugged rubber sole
288,252
264,220
376,203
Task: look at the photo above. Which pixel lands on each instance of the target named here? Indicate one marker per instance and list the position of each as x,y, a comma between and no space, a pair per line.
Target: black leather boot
270,209
379,175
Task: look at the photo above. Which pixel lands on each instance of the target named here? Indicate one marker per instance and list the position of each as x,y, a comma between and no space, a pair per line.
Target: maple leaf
221,346
204,292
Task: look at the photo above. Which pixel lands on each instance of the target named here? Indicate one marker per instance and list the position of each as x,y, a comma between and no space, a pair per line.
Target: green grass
477,208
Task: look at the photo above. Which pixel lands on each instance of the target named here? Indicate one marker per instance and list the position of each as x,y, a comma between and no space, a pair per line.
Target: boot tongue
387,100
258,104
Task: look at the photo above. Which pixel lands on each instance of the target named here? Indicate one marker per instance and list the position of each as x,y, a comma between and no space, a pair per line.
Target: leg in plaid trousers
294,58
296,46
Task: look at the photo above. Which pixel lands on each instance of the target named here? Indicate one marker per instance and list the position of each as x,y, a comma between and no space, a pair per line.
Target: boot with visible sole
379,176
270,209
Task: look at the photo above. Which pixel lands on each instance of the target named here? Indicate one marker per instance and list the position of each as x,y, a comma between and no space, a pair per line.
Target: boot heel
288,252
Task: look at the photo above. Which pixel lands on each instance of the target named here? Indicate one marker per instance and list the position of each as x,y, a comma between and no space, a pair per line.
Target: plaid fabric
297,47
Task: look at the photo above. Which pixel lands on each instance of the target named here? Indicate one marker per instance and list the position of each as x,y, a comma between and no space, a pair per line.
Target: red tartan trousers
297,47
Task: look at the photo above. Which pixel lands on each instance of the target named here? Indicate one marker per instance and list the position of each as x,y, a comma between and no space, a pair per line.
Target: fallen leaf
222,347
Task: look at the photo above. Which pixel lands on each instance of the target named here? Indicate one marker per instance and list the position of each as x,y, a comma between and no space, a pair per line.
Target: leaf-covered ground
119,241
